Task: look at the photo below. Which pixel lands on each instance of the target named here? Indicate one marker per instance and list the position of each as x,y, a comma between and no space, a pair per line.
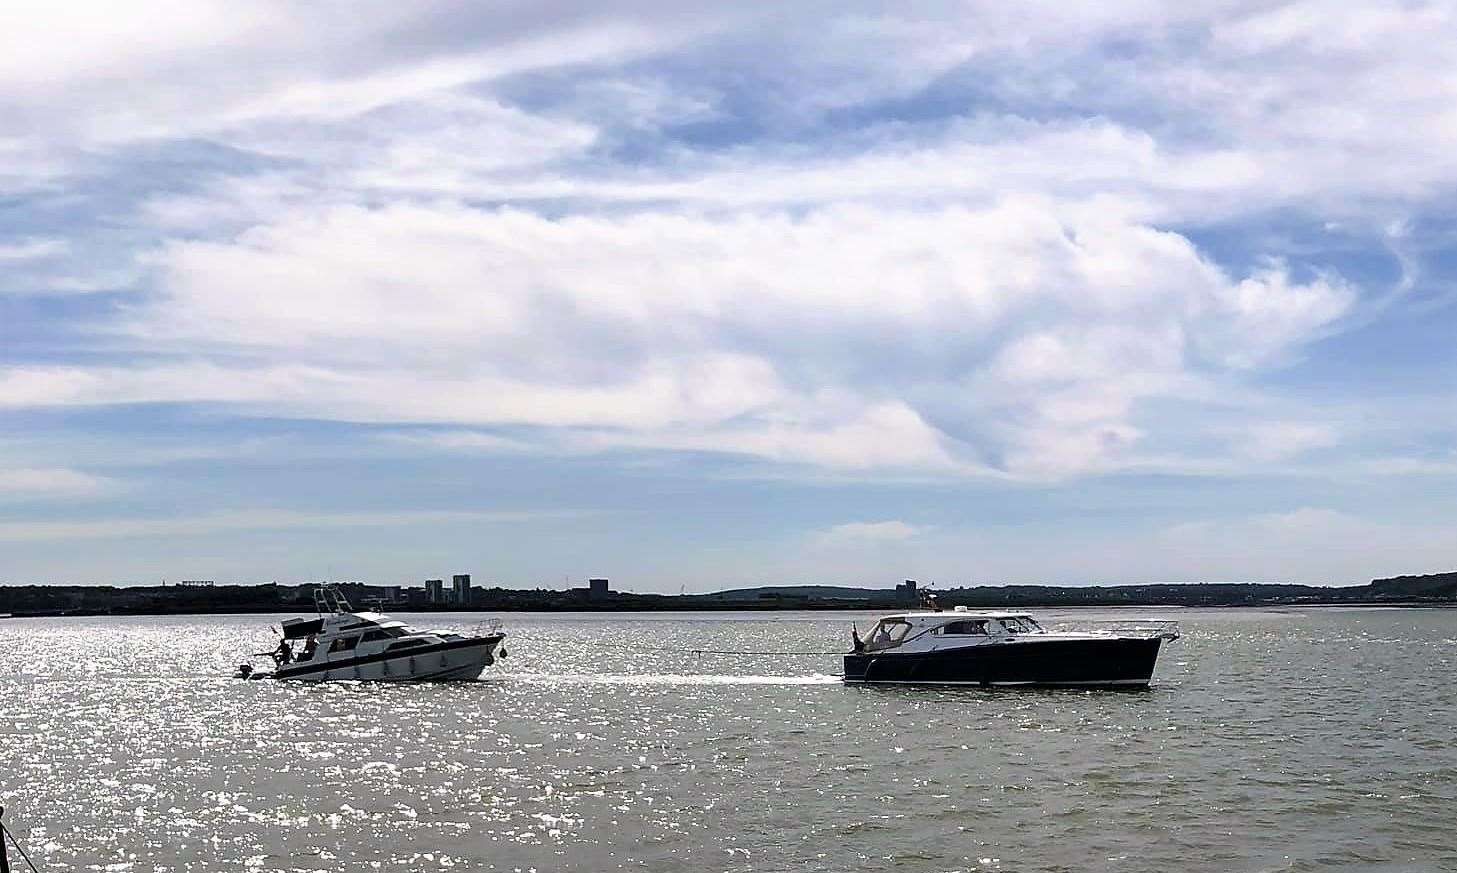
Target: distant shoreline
716,608
206,598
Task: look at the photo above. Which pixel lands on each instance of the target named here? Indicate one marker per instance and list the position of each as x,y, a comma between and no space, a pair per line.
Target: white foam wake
669,679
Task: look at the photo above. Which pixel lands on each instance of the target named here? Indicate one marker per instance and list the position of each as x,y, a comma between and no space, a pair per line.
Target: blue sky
693,296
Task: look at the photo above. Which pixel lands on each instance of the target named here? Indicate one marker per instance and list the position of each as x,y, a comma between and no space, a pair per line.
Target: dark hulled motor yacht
1005,648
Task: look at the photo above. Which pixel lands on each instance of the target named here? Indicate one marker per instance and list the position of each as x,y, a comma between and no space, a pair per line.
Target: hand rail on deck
1167,629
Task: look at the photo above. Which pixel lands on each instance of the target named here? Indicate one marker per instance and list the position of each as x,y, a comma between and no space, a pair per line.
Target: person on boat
856,644
310,645
880,637
283,654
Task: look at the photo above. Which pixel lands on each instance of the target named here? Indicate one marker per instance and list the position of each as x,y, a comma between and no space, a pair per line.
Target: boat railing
1165,629
489,627
329,599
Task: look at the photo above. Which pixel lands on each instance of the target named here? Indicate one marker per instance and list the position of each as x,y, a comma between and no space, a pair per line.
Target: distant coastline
20,601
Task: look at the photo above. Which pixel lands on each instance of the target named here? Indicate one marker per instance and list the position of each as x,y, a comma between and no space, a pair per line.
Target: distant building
435,591
597,589
906,594
460,587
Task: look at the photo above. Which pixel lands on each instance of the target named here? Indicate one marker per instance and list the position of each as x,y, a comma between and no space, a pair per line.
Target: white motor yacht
340,643
960,647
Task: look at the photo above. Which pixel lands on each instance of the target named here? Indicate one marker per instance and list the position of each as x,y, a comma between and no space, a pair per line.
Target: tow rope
695,651
5,832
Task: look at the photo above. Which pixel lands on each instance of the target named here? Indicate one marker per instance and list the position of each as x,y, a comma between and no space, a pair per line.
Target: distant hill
1435,589
1441,587
805,592
1433,585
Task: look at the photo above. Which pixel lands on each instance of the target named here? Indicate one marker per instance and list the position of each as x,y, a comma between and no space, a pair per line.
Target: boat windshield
887,634
1020,625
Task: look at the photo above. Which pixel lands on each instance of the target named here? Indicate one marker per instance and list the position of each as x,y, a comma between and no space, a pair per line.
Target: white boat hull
454,661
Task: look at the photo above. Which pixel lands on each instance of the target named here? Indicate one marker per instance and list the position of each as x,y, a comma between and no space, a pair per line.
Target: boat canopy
298,628
893,630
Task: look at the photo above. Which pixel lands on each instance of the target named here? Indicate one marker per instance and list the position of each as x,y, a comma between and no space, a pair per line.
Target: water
1272,741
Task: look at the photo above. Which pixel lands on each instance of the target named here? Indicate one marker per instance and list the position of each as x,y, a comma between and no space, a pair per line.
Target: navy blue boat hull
1114,662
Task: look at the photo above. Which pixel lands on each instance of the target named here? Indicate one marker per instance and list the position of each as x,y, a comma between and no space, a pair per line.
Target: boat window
344,644
406,644
375,636
1020,625
963,628
887,634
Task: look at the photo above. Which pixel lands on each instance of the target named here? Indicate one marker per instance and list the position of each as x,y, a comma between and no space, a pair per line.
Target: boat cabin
343,634
946,629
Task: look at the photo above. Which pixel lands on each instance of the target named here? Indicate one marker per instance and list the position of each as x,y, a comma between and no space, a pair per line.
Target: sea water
1271,740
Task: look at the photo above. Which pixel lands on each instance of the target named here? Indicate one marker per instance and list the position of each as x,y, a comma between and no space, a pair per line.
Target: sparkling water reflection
1271,741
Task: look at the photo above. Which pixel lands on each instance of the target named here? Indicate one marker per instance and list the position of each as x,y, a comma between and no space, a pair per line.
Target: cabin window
887,634
406,644
1020,625
963,628
375,636
344,644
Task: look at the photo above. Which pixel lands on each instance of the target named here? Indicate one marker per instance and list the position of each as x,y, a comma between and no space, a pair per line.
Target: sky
697,295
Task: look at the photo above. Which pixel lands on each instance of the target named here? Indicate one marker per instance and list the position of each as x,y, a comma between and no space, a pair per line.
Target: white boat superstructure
343,644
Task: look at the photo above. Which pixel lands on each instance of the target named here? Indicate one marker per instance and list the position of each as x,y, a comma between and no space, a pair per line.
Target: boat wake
669,679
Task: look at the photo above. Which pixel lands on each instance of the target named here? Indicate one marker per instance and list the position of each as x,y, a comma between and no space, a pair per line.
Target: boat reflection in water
1006,648
343,644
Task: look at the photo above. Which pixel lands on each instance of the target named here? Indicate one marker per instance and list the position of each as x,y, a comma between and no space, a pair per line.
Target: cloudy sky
708,294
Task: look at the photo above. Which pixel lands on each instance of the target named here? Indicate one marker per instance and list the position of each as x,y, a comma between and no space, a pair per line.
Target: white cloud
85,82
32,249
1444,464
861,534
460,440
52,482
1003,338
1276,441
40,265
995,291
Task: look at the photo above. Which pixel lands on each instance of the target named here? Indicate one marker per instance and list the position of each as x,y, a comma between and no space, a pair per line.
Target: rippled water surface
1271,741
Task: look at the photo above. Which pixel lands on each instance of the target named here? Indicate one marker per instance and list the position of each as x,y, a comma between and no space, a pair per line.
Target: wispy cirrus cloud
52,483
32,249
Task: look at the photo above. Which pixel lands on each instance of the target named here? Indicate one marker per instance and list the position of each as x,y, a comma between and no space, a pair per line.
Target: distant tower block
460,585
907,594
597,589
435,590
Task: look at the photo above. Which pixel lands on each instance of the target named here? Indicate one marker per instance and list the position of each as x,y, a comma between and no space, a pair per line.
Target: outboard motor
245,671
